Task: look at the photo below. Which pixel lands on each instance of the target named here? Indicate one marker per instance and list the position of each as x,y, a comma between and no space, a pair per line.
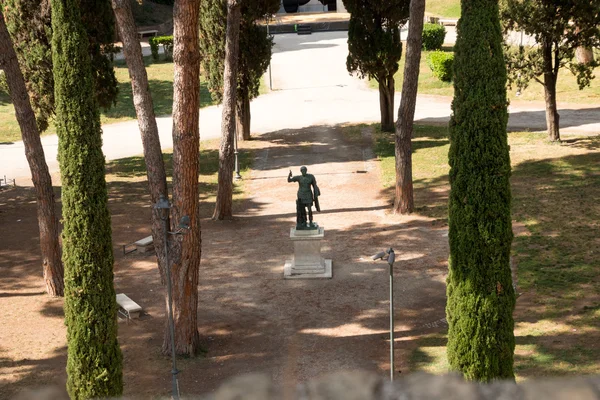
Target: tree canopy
374,36
374,47
29,23
254,49
559,27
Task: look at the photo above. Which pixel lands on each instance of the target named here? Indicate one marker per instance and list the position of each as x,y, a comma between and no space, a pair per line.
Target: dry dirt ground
250,318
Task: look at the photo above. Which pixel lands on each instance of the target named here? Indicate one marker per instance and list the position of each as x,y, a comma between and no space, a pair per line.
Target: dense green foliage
255,45
99,22
29,23
433,36
440,63
3,83
559,26
374,46
166,42
94,364
481,297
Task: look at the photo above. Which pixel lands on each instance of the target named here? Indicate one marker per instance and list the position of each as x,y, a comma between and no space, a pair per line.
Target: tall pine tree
94,364
481,298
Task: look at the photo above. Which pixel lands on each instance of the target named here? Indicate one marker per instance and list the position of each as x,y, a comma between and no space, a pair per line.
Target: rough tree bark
224,202
243,117
386,102
34,152
184,250
144,108
404,199
550,75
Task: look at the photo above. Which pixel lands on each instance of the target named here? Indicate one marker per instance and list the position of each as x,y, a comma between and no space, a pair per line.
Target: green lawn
443,8
127,180
567,89
555,190
160,77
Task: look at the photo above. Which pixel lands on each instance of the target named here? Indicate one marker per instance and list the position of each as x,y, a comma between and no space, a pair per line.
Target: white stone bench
153,32
448,22
130,308
145,245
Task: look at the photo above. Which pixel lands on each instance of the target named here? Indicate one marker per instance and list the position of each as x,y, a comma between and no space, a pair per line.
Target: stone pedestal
307,262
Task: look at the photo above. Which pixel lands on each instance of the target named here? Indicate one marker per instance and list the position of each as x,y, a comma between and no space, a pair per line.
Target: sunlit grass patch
555,192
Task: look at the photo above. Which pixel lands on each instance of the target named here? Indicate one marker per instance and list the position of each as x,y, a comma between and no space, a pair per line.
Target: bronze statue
305,200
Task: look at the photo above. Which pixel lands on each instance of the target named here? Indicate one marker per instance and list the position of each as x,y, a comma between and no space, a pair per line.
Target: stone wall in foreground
367,386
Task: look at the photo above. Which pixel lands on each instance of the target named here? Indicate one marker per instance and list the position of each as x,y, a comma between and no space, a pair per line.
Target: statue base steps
307,262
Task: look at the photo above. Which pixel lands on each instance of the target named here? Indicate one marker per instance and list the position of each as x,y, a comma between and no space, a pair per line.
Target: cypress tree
253,57
30,25
94,364
480,295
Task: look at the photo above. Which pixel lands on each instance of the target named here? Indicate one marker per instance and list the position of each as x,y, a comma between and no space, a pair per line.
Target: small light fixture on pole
269,36
235,153
391,257
163,206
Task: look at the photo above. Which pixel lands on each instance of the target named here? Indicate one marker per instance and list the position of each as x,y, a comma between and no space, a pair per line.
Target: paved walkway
311,87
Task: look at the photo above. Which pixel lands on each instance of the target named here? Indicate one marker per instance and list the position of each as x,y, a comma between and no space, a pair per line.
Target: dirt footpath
250,318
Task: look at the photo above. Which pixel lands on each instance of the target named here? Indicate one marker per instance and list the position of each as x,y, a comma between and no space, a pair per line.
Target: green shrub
433,36
3,83
167,43
440,63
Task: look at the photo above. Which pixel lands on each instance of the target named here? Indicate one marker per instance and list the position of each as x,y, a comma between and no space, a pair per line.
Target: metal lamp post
163,206
270,77
235,153
391,257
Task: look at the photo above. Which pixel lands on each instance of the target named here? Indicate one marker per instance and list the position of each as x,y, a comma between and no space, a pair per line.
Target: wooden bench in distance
131,308
153,32
145,245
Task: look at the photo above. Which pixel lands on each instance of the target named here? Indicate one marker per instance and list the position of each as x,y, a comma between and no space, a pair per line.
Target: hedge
167,43
433,36
440,63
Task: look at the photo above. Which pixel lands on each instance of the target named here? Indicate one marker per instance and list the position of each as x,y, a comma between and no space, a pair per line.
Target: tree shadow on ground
4,99
556,201
250,319
46,374
535,356
536,120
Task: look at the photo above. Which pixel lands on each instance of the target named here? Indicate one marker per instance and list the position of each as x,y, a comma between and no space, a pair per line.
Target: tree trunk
144,108
224,203
243,117
550,76
185,250
404,200
584,55
34,152
386,102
